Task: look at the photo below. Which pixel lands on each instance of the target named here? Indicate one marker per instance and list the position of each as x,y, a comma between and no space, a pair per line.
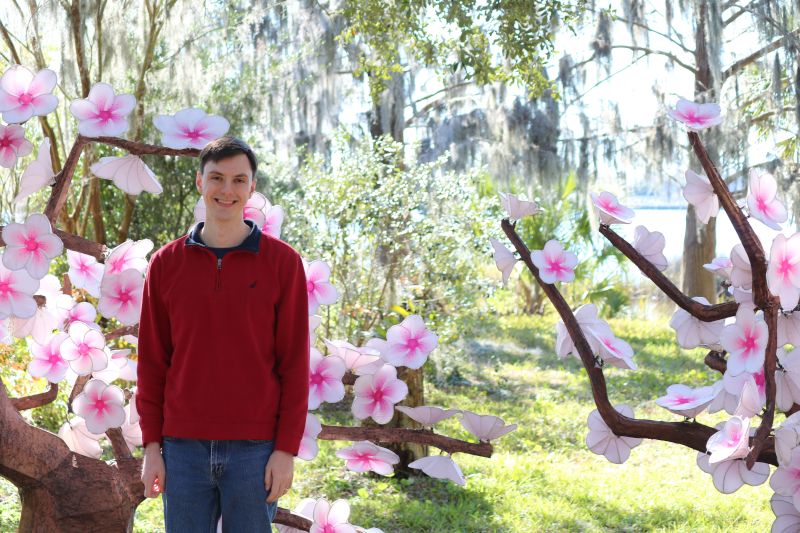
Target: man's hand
153,471
278,474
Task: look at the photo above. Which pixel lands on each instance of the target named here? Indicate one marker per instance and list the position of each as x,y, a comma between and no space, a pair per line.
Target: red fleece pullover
223,344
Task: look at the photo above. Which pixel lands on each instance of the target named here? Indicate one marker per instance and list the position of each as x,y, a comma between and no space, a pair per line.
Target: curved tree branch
417,436
690,434
706,313
36,400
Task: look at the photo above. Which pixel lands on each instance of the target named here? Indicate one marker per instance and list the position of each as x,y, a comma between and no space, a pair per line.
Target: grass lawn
541,477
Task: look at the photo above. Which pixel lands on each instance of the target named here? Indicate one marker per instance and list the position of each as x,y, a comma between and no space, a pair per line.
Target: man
223,360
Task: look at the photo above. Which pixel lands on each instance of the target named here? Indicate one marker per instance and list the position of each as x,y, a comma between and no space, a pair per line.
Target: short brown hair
226,147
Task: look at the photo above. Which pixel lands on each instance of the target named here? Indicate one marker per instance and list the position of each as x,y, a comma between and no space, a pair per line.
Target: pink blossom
696,116
789,329
131,431
485,427
273,221
331,518
700,194
308,445
80,312
410,342
354,357
651,245
13,145
554,263
440,467
190,128
120,367
84,349
783,272
127,255
313,323
364,456
692,332
686,401
749,401
79,439
731,442
129,173
741,273
50,288
427,415
787,515
31,246
602,441
37,174
516,208
735,385
100,405
721,266
762,202
591,326
503,259
121,296
320,290
24,95
85,272
745,341
39,326
729,476
786,479
103,113
47,361
614,351
376,395
610,210
325,379
16,293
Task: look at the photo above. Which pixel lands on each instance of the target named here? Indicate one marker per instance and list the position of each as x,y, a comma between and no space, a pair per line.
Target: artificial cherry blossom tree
747,338
63,483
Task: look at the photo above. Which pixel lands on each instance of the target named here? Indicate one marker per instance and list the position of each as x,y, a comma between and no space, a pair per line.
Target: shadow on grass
423,504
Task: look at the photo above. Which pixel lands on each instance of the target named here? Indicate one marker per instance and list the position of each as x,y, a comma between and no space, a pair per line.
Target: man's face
225,186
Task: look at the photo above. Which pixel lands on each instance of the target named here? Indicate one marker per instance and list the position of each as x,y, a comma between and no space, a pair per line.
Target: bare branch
758,54
668,37
36,400
418,436
691,434
706,313
744,230
648,51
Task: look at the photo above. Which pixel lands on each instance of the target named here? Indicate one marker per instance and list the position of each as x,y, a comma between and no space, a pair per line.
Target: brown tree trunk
700,241
698,249
62,491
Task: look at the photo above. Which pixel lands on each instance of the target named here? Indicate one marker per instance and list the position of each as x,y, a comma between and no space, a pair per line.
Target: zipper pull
219,263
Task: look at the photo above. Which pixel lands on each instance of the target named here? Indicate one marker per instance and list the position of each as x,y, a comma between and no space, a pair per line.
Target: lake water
672,223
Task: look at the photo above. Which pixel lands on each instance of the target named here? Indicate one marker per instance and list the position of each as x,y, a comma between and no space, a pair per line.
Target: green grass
541,477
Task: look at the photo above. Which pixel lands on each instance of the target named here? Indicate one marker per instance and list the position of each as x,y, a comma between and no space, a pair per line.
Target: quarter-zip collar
251,243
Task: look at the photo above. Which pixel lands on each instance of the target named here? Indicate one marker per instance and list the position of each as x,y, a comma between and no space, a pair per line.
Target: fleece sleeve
155,354
292,356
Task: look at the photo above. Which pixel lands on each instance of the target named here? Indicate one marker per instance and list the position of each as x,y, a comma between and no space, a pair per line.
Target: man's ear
198,181
252,185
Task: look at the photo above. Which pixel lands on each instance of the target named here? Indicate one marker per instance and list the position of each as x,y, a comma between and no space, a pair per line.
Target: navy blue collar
250,243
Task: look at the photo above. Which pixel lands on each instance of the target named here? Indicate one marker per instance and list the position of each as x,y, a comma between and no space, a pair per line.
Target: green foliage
399,238
507,40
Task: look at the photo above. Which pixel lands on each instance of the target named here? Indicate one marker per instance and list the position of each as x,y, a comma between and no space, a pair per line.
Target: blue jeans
207,479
